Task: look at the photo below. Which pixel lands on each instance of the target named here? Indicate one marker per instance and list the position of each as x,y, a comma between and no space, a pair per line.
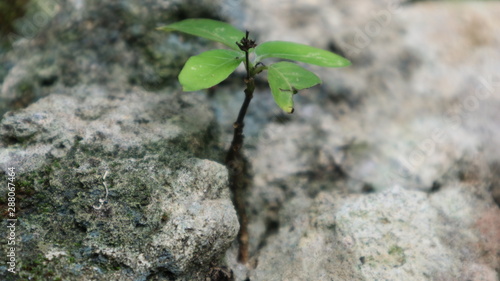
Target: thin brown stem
235,160
238,174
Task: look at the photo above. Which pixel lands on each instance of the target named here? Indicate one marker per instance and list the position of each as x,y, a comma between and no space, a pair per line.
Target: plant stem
248,97
235,160
238,173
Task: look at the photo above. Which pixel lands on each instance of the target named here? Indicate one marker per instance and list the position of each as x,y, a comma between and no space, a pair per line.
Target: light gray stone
93,92
167,212
417,109
406,110
397,234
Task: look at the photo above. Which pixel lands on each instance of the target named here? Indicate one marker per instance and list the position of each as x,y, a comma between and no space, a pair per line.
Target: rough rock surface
64,43
167,213
113,173
396,234
412,104
414,119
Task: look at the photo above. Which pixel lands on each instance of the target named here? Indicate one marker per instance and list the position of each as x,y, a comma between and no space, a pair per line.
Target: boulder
113,185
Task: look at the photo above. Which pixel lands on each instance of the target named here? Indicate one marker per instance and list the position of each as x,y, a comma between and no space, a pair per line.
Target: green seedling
285,80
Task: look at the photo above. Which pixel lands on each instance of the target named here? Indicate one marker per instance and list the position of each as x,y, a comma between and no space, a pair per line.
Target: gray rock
67,43
417,109
393,235
403,113
166,212
93,93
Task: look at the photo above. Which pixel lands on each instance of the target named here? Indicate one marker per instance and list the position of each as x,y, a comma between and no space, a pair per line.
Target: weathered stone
164,211
95,96
417,109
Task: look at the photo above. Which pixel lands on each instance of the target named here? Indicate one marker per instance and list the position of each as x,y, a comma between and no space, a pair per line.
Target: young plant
285,80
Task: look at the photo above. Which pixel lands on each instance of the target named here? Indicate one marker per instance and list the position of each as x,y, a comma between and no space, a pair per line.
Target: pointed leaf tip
210,29
286,79
208,69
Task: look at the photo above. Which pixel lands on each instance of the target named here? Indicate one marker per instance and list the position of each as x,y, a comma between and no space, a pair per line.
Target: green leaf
211,29
285,79
208,69
299,52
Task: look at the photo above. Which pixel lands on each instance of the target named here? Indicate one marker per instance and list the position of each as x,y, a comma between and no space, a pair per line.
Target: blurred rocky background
390,170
